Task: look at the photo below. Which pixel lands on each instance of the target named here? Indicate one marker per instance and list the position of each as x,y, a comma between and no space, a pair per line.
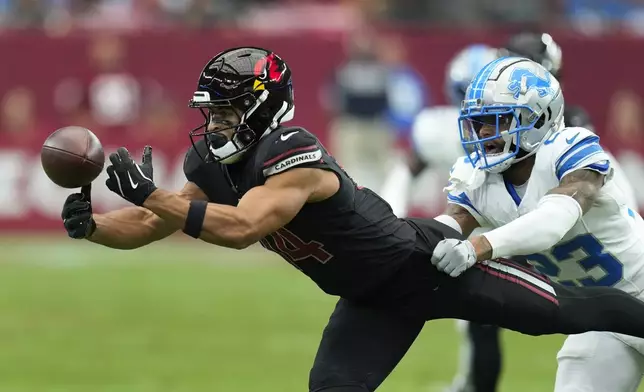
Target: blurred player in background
436,145
480,364
549,193
435,141
250,179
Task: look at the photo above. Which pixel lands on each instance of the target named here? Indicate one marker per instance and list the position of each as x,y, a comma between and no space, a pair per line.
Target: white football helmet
463,67
516,100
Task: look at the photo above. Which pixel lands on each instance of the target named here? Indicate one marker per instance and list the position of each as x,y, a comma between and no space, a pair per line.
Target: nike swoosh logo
572,139
286,137
134,186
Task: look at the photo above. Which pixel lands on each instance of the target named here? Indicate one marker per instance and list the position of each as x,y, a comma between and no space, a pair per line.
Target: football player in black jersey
251,179
481,369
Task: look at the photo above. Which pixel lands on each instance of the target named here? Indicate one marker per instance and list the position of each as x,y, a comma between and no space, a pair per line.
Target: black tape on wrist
195,218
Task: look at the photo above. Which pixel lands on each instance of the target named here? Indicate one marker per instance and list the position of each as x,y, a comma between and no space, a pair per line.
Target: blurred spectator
18,121
360,138
204,13
112,95
595,16
590,16
624,126
471,12
406,91
72,105
28,13
624,132
287,15
160,124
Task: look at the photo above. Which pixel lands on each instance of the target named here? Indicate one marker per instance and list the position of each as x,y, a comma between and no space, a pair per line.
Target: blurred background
183,316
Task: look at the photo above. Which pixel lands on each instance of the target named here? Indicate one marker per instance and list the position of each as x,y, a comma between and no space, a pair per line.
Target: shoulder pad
575,148
194,158
288,148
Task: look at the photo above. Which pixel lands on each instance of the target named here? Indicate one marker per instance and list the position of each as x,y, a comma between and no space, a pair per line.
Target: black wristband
194,220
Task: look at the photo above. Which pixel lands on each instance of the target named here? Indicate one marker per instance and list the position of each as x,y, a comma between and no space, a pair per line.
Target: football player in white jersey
548,193
480,362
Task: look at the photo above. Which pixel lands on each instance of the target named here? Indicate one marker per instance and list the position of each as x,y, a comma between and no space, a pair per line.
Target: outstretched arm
260,212
543,227
133,227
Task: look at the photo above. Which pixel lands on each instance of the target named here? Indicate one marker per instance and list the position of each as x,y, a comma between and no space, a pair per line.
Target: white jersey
604,248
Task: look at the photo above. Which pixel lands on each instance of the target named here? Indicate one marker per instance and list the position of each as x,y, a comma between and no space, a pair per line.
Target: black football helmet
538,47
257,84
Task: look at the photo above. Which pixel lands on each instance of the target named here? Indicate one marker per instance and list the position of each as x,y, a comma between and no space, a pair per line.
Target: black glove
77,214
129,180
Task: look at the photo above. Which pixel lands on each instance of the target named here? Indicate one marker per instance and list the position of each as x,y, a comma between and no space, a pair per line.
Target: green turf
177,316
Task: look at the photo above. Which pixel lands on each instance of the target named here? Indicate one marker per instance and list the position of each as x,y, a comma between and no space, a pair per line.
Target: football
72,157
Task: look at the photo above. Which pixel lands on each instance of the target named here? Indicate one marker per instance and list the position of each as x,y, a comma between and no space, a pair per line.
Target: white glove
454,256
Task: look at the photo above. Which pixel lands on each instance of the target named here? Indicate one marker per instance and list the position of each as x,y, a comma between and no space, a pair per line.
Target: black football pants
364,340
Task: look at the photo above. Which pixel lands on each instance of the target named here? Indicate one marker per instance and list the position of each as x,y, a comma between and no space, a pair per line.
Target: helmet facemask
507,124
227,142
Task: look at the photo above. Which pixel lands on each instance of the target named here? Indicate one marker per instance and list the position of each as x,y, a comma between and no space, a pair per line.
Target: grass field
179,316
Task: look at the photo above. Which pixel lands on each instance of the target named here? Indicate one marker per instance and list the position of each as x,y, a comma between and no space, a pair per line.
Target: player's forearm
222,225
129,228
533,232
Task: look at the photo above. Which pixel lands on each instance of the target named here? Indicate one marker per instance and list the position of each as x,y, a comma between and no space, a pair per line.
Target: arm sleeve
537,230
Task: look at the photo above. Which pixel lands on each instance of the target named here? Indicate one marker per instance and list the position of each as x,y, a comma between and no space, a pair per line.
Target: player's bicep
582,185
268,207
582,167
463,217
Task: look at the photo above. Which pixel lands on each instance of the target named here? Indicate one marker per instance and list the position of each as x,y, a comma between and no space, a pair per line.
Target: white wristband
537,230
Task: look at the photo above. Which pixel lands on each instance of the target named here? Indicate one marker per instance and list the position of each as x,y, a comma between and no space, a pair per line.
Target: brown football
72,157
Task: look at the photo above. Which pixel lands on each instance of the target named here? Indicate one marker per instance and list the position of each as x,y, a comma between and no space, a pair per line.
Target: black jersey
347,244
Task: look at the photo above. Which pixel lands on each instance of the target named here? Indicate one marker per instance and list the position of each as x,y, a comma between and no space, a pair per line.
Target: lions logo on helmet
523,80
510,107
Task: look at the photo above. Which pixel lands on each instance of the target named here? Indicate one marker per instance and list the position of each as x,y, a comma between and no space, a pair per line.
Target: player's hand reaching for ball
77,214
454,256
126,178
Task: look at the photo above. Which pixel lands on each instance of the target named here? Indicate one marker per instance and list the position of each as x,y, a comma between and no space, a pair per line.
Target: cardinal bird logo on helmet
271,68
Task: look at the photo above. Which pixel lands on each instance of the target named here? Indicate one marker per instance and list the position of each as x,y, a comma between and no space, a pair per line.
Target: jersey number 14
552,263
293,249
